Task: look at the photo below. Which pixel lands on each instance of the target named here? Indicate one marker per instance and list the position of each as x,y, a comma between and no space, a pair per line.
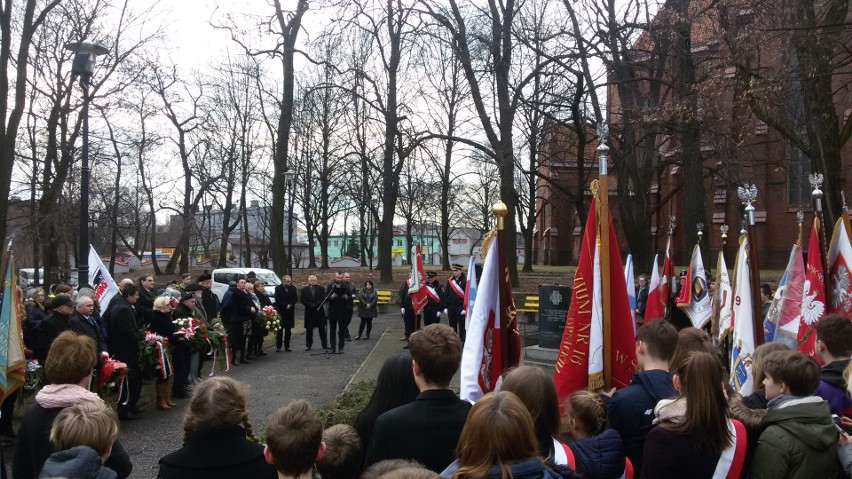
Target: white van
222,278
26,277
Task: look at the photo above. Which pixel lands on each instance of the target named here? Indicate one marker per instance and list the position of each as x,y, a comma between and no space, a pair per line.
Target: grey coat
366,298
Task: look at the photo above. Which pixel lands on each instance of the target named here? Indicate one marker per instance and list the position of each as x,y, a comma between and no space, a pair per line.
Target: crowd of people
677,418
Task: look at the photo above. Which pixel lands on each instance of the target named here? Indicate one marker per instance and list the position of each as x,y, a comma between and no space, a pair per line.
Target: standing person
766,296
161,324
181,351
61,309
83,322
350,306
264,301
294,440
676,315
240,310
338,297
145,305
123,342
209,300
598,451
285,304
67,373
367,299
631,409
313,297
641,299
437,416
694,435
434,292
218,440
454,300
834,347
798,438
185,279
36,312
406,308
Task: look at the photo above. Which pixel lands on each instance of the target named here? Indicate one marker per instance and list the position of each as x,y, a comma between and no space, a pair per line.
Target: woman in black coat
216,428
367,299
237,313
258,330
181,352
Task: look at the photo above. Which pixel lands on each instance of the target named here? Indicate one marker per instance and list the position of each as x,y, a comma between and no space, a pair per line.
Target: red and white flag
493,341
580,363
417,289
100,279
724,299
782,320
667,278
469,291
654,306
694,298
839,272
813,295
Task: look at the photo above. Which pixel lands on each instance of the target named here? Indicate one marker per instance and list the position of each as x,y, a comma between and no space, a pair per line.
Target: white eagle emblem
812,310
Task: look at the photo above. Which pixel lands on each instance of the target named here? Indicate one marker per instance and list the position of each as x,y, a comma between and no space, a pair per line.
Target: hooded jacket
601,456
631,410
77,462
798,440
832,387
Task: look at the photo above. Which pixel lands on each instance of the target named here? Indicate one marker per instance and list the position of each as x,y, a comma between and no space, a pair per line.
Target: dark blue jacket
601,456
77,462
531,469
631,410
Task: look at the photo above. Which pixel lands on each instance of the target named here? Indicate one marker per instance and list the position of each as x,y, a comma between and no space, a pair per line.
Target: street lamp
85,59
288,179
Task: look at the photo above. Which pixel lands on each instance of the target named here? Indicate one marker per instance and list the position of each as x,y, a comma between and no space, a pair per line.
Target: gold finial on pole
500,211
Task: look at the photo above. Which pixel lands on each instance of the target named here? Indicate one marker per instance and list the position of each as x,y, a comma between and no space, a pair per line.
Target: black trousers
180,361
134,387
408,320
236,339
309,333
365,322
430,316
283,334
337,326
456,320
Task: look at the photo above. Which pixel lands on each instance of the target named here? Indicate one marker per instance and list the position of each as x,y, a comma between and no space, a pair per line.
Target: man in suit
454,300
285,304
313,297
83,322
145,305
123,343
428,429
434,292
338,299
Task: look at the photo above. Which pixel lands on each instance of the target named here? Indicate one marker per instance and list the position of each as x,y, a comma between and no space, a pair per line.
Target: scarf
65,395
670,410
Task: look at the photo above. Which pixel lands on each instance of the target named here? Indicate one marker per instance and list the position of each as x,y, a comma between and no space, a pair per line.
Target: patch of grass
344,408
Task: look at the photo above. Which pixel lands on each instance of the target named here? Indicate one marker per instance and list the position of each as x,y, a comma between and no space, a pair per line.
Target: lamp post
85,59
289,176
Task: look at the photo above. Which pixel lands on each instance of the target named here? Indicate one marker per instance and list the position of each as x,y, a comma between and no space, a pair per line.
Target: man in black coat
83,322
407,308
338,300
145,304
428,429
50,327
454,300
285,304
237,307
641,299
350,305
313,297
209,300
123,338
434,292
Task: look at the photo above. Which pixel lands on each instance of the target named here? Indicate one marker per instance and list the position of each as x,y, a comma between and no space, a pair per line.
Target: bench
530,308
383,300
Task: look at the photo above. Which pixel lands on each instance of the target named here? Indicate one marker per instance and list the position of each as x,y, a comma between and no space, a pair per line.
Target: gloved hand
402,310
446,312
439,314
464,312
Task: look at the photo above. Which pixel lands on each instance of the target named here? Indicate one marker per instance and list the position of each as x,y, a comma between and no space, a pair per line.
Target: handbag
246,327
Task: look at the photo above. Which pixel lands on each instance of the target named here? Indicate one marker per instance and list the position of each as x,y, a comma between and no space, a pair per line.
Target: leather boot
167,395
162,396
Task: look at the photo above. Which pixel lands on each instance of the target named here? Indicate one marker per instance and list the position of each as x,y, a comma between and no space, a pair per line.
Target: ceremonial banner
723,301
667,279
580,363
654,307
416,290
694,299
839,273
100,280
782,320
493,341
469,291
813,295
12,360
630,283
742,378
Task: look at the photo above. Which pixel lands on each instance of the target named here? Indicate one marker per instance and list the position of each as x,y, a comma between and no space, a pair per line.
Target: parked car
223,276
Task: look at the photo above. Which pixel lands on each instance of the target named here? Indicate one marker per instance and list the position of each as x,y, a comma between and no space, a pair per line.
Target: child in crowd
631,409
343,453
83,436
294,440
834,347
598,451
799,436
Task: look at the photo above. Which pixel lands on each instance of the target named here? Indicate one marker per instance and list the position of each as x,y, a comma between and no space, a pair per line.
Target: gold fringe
596,381
486,243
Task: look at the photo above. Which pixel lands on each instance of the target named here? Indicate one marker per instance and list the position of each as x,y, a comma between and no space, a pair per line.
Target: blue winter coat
76,463
601,456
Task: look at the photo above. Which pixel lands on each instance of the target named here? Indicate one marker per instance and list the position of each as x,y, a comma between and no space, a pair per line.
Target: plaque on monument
553,301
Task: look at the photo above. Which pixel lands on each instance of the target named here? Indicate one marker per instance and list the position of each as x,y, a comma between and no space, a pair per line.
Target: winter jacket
798,440
832,388
123,339
756,400
601,456
532,469
364,298
80,462
631,410
845,455
49,328
217,452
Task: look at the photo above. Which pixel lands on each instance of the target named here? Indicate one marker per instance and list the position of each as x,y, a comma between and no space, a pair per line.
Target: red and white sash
731,462
456,288
432,293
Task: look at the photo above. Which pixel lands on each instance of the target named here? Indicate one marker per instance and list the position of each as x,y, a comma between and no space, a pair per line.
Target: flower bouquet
113,377
154,356
34,375
270,319
218,339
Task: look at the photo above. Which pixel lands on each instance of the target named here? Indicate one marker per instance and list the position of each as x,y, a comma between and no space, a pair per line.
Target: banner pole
603,231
